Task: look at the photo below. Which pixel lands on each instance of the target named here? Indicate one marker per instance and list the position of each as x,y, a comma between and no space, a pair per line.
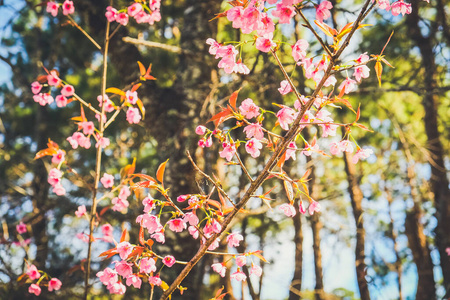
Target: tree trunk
356,198
296,283
439,181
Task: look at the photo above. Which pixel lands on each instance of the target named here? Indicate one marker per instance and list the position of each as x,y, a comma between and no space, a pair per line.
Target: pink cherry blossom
191,218
111,13
147,265
132,97
124,192
68,8
323,11
285,87
249,109
361,154
284,13
228,151
205,142
266,25
102,142
240,68
216,226
347,85
133,116
183,198
159,237
301,208
107,180
151,222
34,289
288,209
177,225
81,211
256,270
52,8
134,280
254,130
155,280
107,276
214,46
149,203
124,268
83,237
58,157
193,231
117,288
134,9
384,4
400,7
61,101
200,130
122,18
36,86
169,260
264,44
214,245
253,147
120,204
346,146
238,275
299,49
107,231
67,90
53,78
21,228
241,260
33,272
309,149
124,249
59,190
219,268
54,176
314,207
233,239
361,72
285,116
54,284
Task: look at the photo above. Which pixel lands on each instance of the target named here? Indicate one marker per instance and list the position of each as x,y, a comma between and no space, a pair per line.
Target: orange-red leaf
116,91
45,152
124,235
233,98
378,71
105,209
141,107
358,113
137,251
160,171
326,29
214,203
109,253
144,184
221,117
128,170
135,87
141,68
141,236
281,161
258,255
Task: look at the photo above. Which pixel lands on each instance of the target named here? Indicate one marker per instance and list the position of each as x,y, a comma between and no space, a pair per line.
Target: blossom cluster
54,284
140,11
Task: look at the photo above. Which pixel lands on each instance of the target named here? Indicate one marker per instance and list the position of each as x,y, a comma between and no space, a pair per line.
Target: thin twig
88,105
244,168
322,43
170,48
73,23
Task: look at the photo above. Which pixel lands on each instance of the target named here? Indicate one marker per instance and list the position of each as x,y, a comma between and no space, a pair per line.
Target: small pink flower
117,288
159,237
447,250
107,180
68,8
107,231
284,13
110,14
285,116
54,284
290,151
214,46
120,204
240,68
228,151
107,276
347,85
124,192
124,268
323,11
81,211
36,86
200,130
191,218
122,18
134,9
214,245
299,50
102,142
288,209
58,157
149,221
83,237
177,225
193,231
216,226
133,116
33,272
361,72
124,249
346,146
241,260
238,275
67,90
34,289
21,228
249,109
264,44
54,176
400,7
233,239
219,268
183,198
254,130
52,8
253,147
59,190
88,127
257,270
285,87
134,280
361,154
149,203
53,78
301,208
314,207
169,261
155,280
61,101
147,265
132,97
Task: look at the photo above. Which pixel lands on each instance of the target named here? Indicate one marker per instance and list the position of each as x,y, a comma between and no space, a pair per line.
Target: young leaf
141,68
289,190
233,98
378,71
160,171
258,255
141,107
221,117
141,236
113,90
124,235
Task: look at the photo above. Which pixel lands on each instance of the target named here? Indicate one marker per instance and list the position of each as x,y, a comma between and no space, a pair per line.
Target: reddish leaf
221,117
306,175
135,87
214,203
141,236
124,235
258,255
362,127
105,209
42,79
141,68
343,101
141,107
45,152
326,29
147,75
233,98
109,253
358,113
116,91
160,171
281,161
144,184
378,71
128,170
136,252
150,243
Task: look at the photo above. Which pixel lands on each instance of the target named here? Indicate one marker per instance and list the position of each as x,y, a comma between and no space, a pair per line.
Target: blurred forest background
384,228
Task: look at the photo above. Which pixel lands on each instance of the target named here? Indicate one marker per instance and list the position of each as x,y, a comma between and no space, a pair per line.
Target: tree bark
356,197
296,282
438,181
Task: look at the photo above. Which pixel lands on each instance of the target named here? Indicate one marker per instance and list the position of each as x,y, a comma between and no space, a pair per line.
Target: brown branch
139,42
